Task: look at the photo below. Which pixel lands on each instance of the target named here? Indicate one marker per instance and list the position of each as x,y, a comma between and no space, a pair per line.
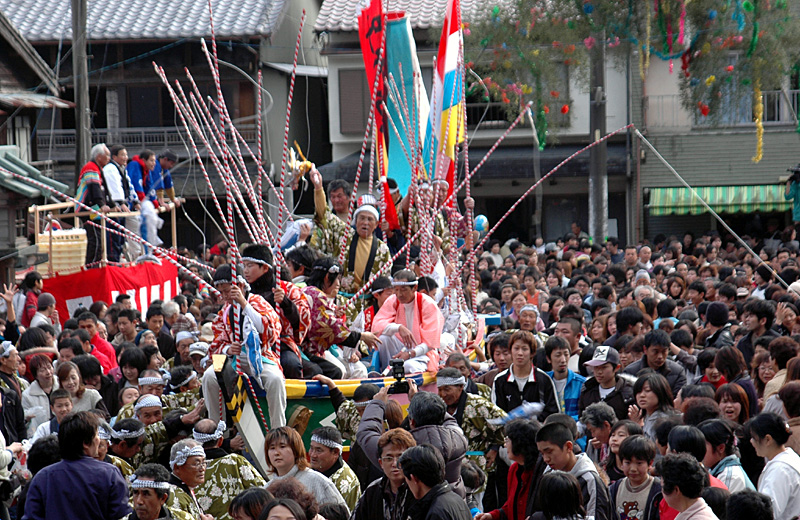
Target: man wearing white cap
410,326
364,254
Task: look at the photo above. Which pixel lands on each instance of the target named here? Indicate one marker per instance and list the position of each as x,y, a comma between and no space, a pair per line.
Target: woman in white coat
36,398
780,479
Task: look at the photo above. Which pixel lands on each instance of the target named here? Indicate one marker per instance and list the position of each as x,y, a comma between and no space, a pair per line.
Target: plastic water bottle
524,411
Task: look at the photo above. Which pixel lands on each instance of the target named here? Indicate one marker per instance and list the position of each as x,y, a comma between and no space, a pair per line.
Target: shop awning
722,199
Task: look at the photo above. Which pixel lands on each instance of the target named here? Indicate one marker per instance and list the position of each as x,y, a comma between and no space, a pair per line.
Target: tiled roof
341,15
51,20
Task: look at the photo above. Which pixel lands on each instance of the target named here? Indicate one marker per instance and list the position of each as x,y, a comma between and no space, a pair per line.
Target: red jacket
106,350
519,485
31,304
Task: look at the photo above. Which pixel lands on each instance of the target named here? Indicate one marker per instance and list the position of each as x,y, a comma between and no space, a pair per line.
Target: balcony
493,116
665,112
59,145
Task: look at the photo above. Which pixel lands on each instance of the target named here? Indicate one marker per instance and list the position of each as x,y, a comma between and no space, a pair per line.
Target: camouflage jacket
473,414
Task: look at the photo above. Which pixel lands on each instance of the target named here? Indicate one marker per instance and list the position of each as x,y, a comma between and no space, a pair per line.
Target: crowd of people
658,380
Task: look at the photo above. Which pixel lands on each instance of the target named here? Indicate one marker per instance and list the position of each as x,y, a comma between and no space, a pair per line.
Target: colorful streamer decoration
759,118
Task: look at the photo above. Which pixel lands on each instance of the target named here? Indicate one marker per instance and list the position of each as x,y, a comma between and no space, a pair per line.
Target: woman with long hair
524,472
763,371
621,430
83,399
328,327
286,457
730,363
597,329
654,402
675,287
734,402
722,457
780,479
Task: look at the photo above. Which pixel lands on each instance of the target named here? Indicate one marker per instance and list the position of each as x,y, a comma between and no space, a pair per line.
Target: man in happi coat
410,326
187,460
288,301
152,382
227,475
325,453
364,255
247,330
475,415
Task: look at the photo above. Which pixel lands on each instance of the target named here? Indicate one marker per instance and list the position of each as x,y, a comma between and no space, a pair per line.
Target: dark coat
747,346
379,502
619,399
85,488
13,426
440,503
448,438
507,396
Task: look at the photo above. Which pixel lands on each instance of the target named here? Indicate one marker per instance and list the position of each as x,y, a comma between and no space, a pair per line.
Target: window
354,100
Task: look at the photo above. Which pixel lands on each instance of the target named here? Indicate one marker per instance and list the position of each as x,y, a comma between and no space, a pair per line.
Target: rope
474,251
286,126
711,210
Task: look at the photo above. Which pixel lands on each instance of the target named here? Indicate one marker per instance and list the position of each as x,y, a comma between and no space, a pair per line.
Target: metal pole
598,173
80,74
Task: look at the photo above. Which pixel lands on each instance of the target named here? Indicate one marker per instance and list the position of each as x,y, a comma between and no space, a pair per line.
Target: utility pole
80,78
598,170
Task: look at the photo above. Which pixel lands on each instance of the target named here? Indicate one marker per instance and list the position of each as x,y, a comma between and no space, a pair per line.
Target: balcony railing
493,116
666,111
60,144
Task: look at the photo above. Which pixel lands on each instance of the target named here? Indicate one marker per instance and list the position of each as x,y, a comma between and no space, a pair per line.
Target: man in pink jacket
410,326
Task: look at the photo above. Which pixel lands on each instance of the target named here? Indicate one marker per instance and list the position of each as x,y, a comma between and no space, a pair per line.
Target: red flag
371,35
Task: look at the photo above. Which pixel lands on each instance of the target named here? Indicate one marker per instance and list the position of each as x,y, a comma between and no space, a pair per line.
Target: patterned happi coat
326,329
328,236
180,499
186,400
155,438
123,466
289,336
347,483
225,330
226,477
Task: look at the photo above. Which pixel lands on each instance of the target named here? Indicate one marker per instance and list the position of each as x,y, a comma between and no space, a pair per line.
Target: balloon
565,109
481,224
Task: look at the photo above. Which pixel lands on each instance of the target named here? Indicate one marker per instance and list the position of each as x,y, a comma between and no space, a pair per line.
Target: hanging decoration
759,116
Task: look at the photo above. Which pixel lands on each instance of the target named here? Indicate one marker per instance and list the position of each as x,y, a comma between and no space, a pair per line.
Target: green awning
722,199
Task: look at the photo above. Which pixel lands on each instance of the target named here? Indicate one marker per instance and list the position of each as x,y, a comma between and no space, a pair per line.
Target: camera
400,386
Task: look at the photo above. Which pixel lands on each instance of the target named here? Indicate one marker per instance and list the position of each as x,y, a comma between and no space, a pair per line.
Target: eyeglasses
198,465
389,459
